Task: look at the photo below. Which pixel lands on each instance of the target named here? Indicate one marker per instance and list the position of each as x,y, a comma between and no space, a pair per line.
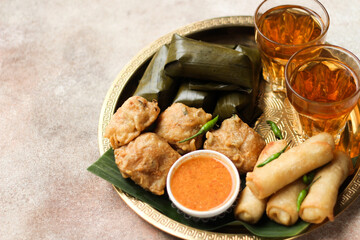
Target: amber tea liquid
325,82
283,31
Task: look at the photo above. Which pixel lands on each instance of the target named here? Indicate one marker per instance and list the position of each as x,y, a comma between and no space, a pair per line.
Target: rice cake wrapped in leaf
190,58
155,84
254,56
179,122
231,103
216,86
251,111
242,103
195,98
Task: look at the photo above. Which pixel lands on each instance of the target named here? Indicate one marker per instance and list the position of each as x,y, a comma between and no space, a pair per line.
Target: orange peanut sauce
201,183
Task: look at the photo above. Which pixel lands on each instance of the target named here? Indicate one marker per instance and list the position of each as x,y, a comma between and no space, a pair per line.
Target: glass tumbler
283,27
322,84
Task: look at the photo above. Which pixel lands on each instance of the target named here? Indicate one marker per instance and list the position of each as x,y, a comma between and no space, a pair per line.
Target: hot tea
325,81
282,31
322,88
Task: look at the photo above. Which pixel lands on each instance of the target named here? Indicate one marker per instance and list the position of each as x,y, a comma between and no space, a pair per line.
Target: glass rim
323,33
355,58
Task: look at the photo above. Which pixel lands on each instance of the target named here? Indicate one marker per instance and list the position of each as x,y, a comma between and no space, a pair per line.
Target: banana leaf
231,103
190,58
231,46
270,229
194,98
155,84
215,86
251,112
106,168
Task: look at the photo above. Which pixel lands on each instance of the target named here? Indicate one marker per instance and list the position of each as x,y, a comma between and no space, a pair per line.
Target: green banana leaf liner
194,98
155,84
106,168
204,61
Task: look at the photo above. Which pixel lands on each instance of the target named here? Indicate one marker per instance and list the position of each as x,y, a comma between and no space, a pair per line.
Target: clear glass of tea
323,85
283,27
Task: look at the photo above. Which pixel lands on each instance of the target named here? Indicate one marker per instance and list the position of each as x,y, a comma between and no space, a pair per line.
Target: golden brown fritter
237,141
130,120
179,122
147,161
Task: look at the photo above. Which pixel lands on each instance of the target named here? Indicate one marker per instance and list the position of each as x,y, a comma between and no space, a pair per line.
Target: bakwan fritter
147,161
130,120
179,122
237,141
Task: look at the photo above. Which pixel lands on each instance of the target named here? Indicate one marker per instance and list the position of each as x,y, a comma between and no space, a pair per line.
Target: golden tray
226,30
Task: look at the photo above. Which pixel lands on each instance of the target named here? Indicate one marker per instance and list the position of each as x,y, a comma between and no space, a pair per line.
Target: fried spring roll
291,165
281,206
249,208
320,201
322,137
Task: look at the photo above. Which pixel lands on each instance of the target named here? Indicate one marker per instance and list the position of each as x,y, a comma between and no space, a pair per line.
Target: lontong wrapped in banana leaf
194,59
216,86
194,98
230,103
242,103
252,111
155,84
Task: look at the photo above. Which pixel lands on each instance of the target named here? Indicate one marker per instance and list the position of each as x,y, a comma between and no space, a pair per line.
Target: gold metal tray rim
145,211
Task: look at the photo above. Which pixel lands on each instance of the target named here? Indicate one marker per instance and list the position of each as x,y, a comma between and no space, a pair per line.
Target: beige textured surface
57,61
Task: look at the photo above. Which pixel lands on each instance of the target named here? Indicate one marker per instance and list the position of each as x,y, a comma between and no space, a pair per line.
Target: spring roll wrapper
281,206
291,165
320,201
249,208
322,137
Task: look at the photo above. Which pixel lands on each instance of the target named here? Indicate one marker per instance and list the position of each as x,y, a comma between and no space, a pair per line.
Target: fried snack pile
146,157
273,188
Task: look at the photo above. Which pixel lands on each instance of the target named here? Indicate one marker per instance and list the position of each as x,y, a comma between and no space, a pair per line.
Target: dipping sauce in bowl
203,183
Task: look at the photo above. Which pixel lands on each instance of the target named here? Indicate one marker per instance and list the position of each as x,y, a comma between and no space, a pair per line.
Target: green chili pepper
273,157
206,127
307,178
303,194
301,198
275,129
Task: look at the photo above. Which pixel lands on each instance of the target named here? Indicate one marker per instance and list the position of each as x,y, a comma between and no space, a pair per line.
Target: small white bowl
222,207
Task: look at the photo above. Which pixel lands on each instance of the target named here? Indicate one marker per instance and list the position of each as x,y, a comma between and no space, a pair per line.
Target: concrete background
57,61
